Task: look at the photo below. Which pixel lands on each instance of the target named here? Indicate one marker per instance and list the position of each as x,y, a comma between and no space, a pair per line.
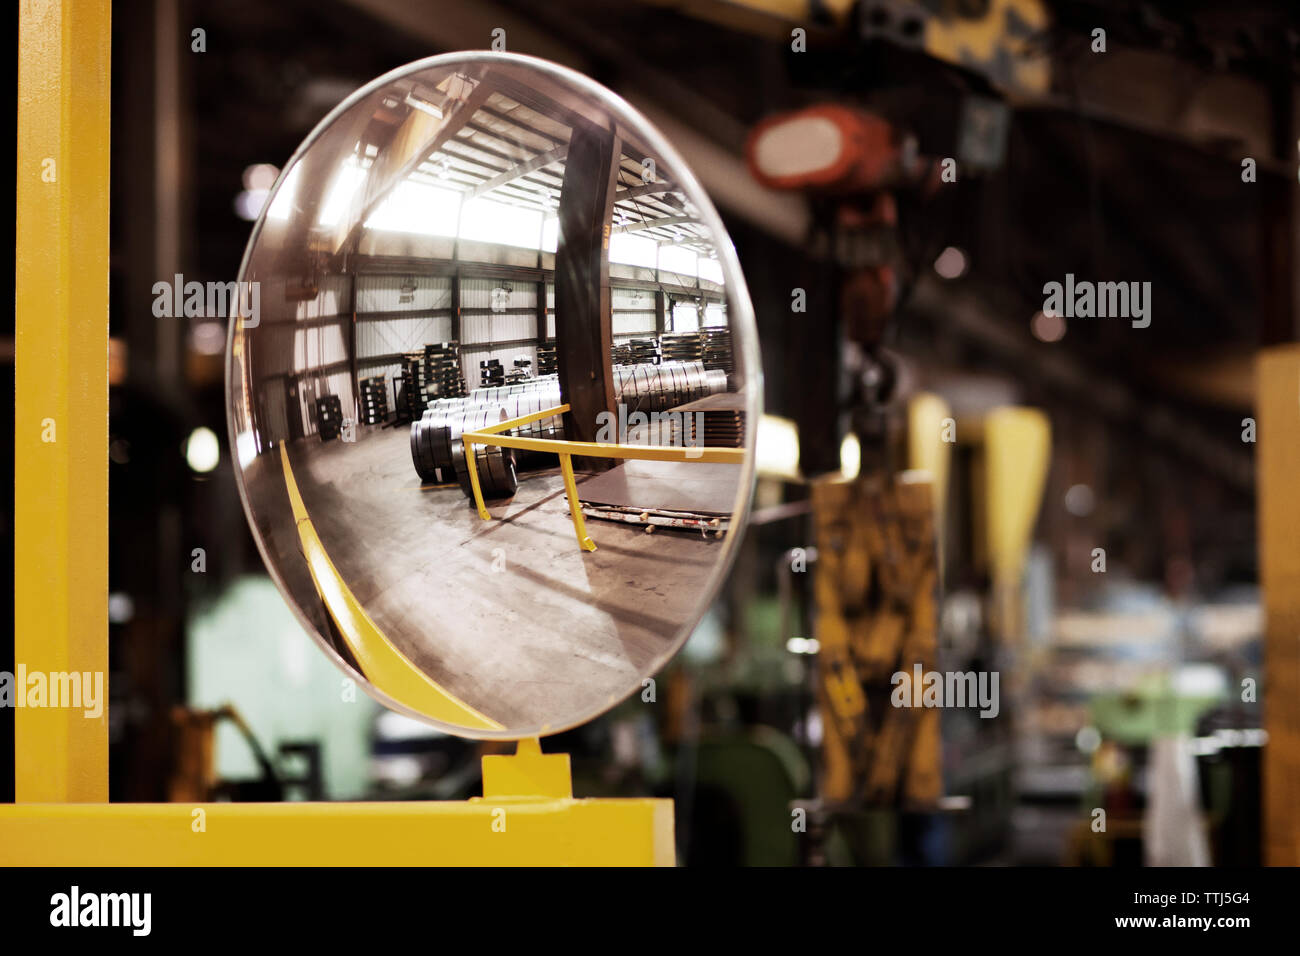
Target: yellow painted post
1017,455
473,479
575,509
1277,462
61,393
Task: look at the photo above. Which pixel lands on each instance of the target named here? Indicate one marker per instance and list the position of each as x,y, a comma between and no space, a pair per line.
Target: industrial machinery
878,534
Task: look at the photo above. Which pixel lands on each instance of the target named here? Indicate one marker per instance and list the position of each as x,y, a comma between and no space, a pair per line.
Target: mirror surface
470,240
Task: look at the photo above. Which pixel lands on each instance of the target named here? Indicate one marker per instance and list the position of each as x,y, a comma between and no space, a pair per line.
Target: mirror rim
740,318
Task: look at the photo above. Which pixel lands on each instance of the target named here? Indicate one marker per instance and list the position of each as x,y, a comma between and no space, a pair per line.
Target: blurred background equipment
1112,508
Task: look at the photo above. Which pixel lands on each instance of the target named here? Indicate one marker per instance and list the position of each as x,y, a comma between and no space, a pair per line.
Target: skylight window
677,259
419,208
632,250
486,220
282,205
339,197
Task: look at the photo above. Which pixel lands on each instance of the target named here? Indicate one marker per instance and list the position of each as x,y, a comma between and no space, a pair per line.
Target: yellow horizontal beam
505,831
595,449
567,449
381,662
522,420
489,435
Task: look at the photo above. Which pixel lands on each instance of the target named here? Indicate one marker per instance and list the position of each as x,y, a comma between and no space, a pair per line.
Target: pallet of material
708,526
723,421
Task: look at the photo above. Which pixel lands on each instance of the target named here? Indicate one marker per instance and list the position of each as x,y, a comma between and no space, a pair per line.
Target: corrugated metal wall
550,310
498,320
634,313
297,337
398,314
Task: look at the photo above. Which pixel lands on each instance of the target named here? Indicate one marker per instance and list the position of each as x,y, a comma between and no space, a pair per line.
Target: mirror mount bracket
527,773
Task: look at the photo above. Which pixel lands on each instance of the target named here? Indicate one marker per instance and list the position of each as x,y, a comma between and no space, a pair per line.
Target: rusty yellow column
1277,472
61,400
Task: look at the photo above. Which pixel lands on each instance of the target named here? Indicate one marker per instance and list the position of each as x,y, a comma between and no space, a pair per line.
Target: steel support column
583,317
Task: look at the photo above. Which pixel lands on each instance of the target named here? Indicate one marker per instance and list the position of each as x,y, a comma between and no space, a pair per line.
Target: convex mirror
492,393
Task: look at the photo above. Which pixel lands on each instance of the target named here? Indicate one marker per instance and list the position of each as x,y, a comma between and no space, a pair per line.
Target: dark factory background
1123,624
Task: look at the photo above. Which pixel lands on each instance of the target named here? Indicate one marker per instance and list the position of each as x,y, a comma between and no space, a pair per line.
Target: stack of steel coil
656,388
496,465
439,454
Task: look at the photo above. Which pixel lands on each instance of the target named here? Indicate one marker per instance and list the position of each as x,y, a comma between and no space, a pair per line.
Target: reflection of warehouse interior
486,250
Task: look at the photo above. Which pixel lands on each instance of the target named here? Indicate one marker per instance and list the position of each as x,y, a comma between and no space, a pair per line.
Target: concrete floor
508,615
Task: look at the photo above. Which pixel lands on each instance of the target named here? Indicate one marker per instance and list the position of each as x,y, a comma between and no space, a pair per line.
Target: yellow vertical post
1017,455
61,395
575,508
1277,463
472,464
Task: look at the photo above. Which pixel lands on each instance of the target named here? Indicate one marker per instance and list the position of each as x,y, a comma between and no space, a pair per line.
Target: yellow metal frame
567,449
379,659
1277,462
527,815
61,389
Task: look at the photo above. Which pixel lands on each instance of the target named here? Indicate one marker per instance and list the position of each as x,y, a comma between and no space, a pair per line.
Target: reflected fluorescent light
423,107
339,198
282,205
802,645
202,450
245,448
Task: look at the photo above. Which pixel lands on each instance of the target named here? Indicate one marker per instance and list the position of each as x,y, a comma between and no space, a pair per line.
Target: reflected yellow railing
588,449
380,660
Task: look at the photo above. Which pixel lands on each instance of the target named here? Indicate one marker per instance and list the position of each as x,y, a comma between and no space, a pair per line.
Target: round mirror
492,390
